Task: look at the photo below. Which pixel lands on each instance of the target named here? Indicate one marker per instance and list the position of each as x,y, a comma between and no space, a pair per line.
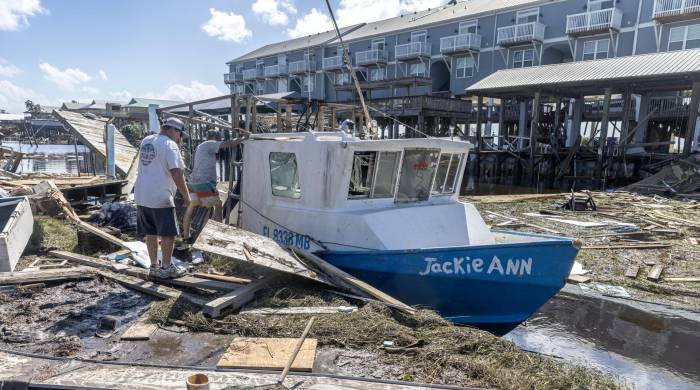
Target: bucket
198,382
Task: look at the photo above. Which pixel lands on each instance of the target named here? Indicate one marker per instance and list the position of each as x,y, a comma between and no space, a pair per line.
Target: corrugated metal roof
462,10
293,44
656,65
141,102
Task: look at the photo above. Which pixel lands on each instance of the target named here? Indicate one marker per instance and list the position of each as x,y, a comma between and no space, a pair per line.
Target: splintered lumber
222,278
43,276
268,354
629,246
91,132
655,272
632,271
346,278
683,280
140,330
144,286
235,299
302,310
232,243
141,273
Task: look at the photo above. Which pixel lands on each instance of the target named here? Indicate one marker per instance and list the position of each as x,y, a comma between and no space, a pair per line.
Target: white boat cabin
329,190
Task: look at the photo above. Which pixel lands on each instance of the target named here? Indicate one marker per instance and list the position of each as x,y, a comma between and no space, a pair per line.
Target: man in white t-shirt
202,180
160,174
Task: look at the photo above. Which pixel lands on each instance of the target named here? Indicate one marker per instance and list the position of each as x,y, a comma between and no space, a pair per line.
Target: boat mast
348,64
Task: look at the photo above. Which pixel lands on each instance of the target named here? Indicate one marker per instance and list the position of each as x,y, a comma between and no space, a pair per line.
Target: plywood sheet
91,133
268,354
139,331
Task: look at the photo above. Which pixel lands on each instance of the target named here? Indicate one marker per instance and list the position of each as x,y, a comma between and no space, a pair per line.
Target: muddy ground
658,220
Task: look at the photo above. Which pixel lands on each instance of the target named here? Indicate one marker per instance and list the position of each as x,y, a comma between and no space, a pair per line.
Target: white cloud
7,69
66,79
122,96
103,75
352,12
195,91
226,26
14,14
12,97
274,12
313,22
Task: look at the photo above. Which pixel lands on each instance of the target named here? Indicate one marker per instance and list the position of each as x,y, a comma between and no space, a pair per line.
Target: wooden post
692,118
334,118
534,125
288,116
501,136
279,122
248,112
603,136
557,115
321,117
479,109
626,112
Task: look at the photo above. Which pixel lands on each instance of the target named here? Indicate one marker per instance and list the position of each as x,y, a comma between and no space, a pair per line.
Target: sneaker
171,272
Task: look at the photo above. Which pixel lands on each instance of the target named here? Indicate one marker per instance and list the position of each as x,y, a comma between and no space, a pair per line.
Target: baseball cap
175,124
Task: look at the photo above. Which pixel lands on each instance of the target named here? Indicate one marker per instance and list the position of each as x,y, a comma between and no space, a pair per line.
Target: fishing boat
388,212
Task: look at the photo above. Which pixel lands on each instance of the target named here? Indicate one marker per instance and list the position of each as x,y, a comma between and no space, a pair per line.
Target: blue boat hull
494,287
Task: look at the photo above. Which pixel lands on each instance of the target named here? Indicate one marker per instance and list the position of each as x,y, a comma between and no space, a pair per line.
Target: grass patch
51,233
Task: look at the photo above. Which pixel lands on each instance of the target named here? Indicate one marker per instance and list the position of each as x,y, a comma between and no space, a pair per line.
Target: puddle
647,350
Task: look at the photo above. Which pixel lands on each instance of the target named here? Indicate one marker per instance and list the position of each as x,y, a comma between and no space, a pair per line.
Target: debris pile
679,178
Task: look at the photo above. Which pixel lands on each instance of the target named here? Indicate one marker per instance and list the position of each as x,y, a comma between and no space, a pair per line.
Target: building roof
73,105
668,70
141,102
445,13
293,44
11,117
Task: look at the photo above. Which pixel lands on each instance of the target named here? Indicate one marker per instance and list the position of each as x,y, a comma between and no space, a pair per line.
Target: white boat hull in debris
17,226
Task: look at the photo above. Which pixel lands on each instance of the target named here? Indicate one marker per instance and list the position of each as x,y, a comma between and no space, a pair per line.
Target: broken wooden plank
337,273
235,299
144,286
144,274
636,246
632,271
655,272
53,275
140,330
692,279
578,279
222,278
314,310
268,354
230,242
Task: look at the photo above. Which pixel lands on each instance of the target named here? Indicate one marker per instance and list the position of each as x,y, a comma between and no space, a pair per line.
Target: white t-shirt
154,186
204,170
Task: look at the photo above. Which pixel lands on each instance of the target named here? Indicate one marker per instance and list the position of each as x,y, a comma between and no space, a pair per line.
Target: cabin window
417,172
446,175
362,174
385,178
284,175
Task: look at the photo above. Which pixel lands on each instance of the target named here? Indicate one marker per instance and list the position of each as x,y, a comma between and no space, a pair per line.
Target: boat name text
461,266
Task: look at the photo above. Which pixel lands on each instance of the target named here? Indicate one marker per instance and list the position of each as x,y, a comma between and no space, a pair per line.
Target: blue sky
58,50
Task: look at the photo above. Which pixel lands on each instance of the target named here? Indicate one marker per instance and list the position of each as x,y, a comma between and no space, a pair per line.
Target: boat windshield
416,176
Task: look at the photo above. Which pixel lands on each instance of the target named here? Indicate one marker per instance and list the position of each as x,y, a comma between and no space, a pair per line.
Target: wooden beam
655,272
222,278
692,118
52,275
604,122
337,273
235,299
534,125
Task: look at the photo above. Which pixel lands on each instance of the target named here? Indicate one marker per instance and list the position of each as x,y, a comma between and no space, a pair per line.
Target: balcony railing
412,50
520,33
460,43
675,8
374,56
230,78
331,63
275,70
669,106
250,74
594,21
298,67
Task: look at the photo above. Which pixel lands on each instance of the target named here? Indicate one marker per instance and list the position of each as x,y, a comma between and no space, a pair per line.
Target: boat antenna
348,64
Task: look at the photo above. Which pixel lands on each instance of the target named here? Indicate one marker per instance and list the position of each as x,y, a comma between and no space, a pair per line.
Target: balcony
670,10
249,74
274,71
412,50
594,22
460,43
520,33
369,57
298,67
333,63
231,78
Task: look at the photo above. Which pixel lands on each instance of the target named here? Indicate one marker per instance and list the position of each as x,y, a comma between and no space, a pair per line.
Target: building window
308,83
523,58
419,36
596,50
597,5
467,27
378,44
464,67
239,89
282,85
259,88
377,74
417,69
342,78
527,16
284,175
684,37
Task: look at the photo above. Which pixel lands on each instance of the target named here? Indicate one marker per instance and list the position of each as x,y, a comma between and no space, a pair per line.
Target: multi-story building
442,51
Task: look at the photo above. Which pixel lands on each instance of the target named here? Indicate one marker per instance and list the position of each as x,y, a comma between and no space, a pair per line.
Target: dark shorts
157,222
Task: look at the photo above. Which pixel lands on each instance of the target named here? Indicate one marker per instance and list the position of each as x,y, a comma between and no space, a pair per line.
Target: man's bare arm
179,179
233,142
